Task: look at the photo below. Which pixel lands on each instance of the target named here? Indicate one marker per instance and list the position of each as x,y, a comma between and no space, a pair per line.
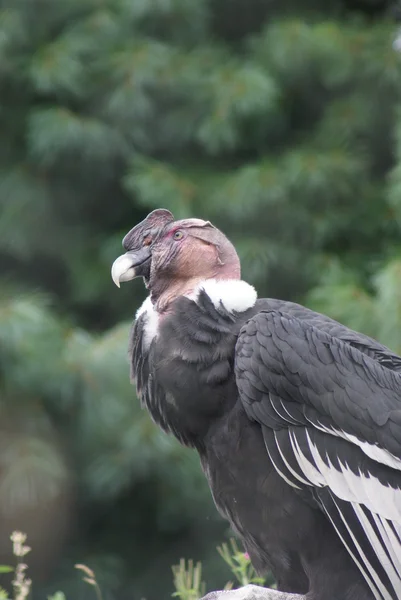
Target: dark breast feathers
297,420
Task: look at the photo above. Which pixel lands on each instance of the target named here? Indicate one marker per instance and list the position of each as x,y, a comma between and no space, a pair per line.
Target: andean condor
296,418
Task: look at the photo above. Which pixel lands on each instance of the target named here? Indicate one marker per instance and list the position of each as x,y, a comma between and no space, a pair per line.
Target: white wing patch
235,295
344,483
151,324
364,492
376,453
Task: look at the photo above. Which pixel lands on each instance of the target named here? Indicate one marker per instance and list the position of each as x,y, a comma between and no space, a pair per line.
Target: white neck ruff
234,294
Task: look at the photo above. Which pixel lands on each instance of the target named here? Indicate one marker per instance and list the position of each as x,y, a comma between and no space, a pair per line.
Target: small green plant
188,581
239,563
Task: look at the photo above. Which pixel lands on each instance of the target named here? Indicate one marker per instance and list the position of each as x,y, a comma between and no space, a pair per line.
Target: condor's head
173,257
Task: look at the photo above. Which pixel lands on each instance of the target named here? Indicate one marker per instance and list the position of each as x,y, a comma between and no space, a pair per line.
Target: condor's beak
132,264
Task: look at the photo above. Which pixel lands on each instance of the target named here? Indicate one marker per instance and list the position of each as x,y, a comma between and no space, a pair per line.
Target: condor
296,418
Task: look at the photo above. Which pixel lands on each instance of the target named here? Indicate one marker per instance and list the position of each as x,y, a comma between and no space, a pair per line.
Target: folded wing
330,410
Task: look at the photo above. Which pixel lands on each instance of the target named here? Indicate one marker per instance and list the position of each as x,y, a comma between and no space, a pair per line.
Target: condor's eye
178,235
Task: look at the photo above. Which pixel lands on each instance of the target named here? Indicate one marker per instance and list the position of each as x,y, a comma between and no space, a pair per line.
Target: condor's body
297,421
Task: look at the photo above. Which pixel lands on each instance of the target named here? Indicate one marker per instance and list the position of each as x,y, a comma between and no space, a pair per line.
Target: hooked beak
135,263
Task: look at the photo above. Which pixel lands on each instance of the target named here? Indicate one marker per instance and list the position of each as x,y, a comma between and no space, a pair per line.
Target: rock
251,592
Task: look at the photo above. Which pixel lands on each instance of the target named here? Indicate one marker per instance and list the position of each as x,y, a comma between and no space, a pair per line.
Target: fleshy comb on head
156,220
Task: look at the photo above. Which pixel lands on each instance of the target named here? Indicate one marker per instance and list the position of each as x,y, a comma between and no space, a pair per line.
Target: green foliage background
278,120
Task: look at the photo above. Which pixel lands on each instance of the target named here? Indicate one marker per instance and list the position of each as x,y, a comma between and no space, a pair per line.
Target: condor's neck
167,293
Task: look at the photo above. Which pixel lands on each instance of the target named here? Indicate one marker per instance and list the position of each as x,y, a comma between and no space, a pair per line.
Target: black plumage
296,418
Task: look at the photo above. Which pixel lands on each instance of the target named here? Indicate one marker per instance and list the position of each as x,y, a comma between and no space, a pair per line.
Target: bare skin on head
181,254
187,253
